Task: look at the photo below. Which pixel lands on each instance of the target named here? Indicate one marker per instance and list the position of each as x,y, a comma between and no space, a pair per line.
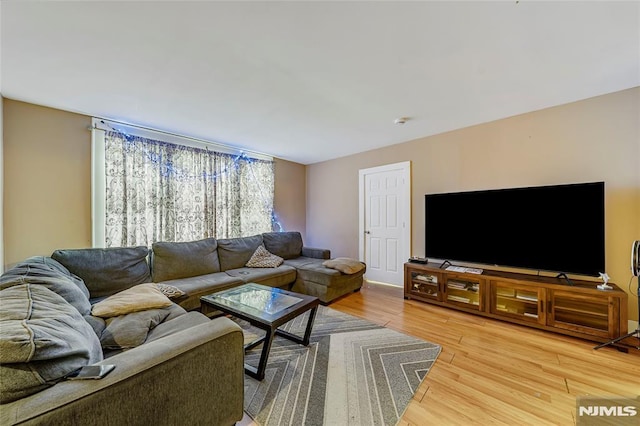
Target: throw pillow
137,298
345,265
97,324
261,258
129,331
170,291
42,339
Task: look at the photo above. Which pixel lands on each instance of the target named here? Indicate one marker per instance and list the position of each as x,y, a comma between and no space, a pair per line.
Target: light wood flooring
493,372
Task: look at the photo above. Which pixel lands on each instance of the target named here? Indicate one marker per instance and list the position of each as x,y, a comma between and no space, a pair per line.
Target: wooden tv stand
547,303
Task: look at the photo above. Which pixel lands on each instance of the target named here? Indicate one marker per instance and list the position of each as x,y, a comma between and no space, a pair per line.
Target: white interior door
385,221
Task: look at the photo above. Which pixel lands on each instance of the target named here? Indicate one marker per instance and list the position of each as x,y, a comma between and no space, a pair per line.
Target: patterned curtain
159,191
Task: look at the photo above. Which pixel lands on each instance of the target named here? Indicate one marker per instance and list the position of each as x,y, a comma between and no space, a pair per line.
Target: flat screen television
558,228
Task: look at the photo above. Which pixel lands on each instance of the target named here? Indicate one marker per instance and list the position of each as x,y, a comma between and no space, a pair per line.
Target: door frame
405,202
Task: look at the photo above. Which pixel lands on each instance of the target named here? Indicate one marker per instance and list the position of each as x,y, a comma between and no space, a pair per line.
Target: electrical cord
629,285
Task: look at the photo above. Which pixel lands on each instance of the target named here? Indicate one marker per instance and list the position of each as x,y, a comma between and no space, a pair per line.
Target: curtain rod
248,152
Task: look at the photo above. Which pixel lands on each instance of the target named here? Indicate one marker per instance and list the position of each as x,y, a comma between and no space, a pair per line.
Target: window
148,189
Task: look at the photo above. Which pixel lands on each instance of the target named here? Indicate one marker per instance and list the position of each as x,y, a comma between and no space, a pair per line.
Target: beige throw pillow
262,258
137,298
345,265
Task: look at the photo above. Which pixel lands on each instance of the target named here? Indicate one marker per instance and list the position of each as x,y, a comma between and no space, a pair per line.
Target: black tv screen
557,228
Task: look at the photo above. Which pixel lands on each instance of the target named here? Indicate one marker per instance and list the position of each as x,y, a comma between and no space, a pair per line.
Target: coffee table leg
307,332
258,373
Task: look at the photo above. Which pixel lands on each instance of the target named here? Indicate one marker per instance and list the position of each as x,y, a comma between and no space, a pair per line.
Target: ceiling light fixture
400,120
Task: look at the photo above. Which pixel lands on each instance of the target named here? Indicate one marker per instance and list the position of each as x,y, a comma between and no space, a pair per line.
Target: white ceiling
311,81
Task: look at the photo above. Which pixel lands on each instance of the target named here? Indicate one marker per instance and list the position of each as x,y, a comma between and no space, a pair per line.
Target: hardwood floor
493,372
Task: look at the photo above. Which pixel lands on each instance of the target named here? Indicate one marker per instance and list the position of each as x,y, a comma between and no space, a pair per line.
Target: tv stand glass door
518,301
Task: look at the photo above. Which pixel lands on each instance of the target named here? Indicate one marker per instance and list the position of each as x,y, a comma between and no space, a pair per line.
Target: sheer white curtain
160,191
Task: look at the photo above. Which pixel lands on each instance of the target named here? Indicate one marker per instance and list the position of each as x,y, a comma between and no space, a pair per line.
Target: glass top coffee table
266,308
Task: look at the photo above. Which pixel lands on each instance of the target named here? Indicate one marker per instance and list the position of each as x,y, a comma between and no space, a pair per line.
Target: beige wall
47,182
593,140
289,198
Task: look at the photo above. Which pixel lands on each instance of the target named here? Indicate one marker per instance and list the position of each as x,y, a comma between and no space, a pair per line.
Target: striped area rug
353,372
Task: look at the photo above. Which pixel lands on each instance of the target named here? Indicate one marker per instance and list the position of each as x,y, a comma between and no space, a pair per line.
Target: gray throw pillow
130,330
172,260
42,339
287,245
236,252
97,324
49,273
106,271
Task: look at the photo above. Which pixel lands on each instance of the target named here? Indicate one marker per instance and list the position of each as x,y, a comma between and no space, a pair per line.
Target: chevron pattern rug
353,372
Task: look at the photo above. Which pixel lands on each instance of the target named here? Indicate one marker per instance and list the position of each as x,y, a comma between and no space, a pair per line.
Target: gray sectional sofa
173,364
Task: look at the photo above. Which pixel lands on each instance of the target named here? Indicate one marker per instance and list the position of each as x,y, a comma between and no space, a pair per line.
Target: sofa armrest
316,253
195,376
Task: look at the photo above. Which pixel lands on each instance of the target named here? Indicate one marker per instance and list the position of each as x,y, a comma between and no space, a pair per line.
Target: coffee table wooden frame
267,322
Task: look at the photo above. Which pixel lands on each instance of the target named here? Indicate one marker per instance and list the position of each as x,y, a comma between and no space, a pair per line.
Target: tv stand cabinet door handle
549,306
541,306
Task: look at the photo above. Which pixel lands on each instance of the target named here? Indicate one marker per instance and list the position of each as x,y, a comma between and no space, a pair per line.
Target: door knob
367,232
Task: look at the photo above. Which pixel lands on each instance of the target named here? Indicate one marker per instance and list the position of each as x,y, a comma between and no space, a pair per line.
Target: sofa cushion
345,265
137,298
236,252
287,245
316,253
106,271
282,276
302,260
171,260
47,272
175,325
263,259
341,285
194,287
42,339
318,273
